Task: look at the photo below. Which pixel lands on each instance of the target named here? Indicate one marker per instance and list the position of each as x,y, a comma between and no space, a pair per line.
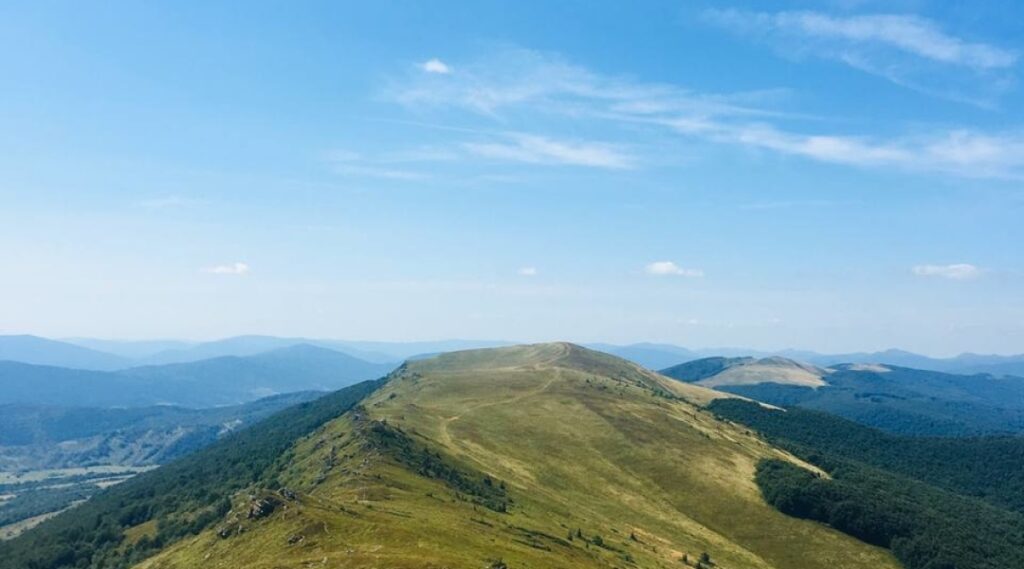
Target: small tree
598,541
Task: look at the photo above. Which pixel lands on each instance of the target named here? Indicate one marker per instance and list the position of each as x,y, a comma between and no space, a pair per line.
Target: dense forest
926,528
922,498
991,468
179,499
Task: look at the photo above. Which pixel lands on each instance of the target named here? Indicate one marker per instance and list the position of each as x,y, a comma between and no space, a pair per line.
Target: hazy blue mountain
995,365
233,379
42,351
651,356
51,385
253,344
404,350
219,381
961,364
238,346
130,349
896,399
893,357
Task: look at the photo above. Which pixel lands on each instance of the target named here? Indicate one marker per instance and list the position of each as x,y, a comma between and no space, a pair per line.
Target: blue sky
834,176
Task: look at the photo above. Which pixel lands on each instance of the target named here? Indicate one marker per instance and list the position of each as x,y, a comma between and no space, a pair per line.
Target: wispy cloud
542,150
435,66
513,77
354,164
956,271
527,271
237,268
669,268
517,83
908,50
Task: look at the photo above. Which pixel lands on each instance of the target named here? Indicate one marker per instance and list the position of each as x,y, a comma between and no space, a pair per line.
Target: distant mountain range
41,351
108,355
896,399
225,380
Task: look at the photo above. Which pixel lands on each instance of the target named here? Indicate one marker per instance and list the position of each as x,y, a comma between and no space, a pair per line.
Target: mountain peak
499,454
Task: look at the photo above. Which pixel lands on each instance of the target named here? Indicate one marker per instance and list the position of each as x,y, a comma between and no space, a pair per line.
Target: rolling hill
720,372
227,380
895,399
547,455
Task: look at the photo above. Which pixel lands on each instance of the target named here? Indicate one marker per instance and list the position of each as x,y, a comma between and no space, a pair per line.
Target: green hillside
534,456
131,521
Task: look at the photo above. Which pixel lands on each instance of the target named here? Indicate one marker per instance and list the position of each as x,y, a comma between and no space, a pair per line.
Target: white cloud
517,82
237,268
435,66
513,77
912,34
542,150
663,268
956,271
908,50
528,271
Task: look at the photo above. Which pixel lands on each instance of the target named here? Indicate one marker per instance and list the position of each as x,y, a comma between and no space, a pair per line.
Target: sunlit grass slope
539,456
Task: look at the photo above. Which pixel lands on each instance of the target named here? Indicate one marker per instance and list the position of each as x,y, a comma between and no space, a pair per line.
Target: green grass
581,441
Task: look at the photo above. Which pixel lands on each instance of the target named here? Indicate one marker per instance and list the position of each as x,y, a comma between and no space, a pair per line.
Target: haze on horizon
853,182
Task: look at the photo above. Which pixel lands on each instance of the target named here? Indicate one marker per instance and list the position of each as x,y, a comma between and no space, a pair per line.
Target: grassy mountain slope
539,456
723,372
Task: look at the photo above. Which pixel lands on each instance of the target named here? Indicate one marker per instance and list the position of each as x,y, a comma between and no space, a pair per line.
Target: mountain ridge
536,455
